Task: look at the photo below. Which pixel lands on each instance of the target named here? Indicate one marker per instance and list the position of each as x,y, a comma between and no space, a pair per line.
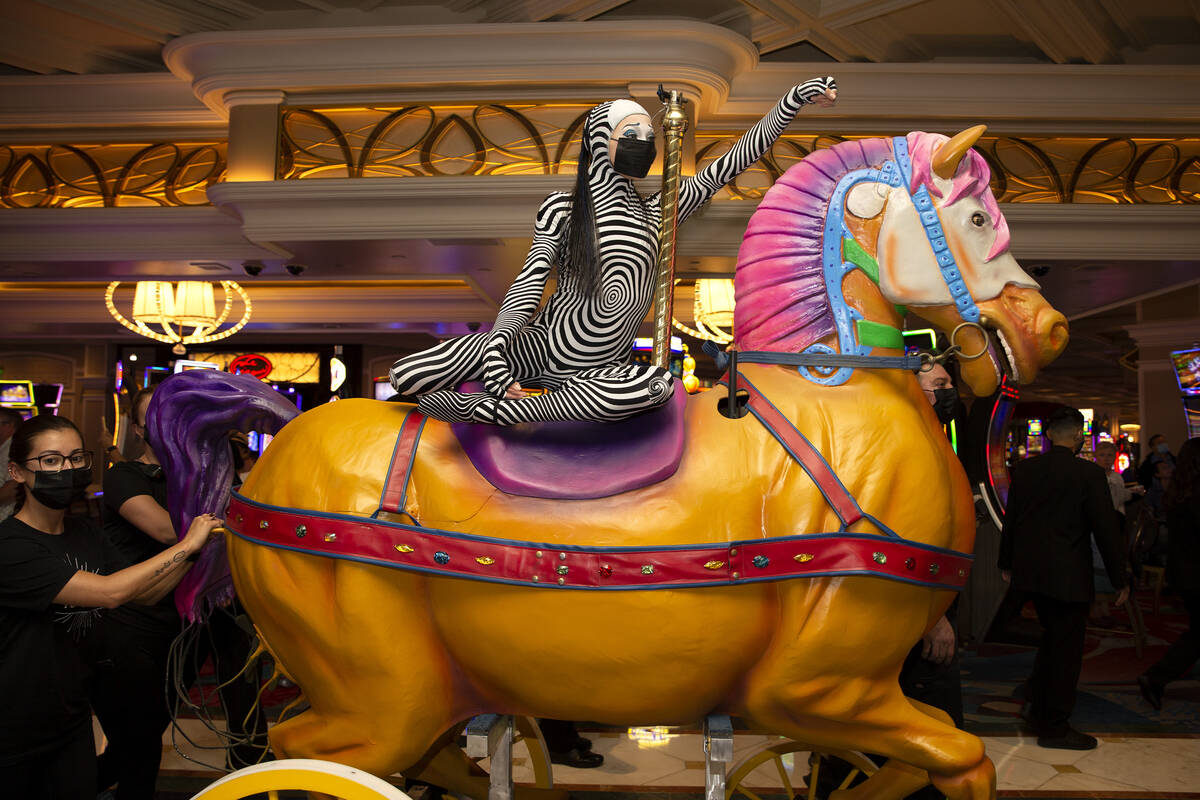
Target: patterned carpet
1109,701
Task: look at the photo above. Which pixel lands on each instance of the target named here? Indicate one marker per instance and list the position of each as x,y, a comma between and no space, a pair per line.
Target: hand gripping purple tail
189,421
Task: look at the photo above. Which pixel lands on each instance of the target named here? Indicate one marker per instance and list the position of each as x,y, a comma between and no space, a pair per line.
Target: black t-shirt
46,650
122,481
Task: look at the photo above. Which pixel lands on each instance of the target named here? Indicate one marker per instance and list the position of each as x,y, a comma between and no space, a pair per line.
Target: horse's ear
945,161
866,200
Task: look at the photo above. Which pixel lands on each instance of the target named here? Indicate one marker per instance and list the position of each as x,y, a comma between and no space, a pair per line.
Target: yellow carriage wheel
527,730
318,778
735,783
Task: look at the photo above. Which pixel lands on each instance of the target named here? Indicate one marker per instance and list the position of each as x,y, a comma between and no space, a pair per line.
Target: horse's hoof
976,783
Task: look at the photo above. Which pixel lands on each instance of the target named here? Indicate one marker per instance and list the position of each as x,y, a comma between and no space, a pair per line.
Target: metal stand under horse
491,736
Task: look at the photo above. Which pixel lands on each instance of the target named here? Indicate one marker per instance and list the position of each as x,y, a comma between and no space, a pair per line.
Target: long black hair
582,251
1185,481
21,449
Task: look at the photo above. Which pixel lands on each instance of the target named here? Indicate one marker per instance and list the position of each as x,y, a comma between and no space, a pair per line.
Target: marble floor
667,761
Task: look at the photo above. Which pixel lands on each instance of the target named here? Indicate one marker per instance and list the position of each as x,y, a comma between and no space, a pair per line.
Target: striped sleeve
697,190
525,294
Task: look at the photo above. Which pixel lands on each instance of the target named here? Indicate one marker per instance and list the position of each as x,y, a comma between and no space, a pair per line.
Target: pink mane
779,286
972,178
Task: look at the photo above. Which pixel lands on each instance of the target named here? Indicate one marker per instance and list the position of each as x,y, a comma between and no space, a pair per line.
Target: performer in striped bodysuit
604,240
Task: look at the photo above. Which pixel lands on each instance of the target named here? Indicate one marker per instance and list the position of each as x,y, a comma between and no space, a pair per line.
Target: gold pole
674,126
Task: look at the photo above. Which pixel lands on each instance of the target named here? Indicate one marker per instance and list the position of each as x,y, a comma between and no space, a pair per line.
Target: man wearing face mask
930,673
1056,504
1159,451
602,242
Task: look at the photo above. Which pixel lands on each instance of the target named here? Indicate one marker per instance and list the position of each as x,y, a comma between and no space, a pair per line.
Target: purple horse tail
188,422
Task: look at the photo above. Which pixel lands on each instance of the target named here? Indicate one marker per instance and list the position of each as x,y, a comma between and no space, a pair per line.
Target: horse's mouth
1004,361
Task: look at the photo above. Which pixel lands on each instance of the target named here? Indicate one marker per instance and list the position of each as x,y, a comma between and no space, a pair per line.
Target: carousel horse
777,565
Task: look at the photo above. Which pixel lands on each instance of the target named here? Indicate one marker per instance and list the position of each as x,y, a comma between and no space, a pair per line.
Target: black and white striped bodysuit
579,344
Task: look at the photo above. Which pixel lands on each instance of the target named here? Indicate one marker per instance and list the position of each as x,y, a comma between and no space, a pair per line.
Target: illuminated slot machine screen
383,389
257,442
643,353
183,365
1187,370
1033,438
18,395
1187,373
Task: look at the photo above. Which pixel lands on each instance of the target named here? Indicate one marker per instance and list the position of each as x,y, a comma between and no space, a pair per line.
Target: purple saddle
577,460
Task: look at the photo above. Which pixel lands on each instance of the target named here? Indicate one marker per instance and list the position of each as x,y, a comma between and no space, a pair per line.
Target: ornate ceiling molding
130,101
704,57
1047,99
98,234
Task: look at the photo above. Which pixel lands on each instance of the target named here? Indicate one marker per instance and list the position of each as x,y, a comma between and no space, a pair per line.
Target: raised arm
697,190
525,294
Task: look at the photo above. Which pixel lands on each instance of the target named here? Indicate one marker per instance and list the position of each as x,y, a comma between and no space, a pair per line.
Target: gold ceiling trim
1030,169
539,139
109,175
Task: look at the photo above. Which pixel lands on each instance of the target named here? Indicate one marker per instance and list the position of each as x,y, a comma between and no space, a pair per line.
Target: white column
253,135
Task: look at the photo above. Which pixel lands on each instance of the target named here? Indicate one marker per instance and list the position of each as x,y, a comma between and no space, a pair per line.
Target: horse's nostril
1059,335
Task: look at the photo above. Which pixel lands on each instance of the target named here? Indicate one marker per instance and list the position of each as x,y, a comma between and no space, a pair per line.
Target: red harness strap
803,451
395,488
484,558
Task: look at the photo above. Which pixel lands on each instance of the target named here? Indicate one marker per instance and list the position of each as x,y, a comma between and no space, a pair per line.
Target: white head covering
620,109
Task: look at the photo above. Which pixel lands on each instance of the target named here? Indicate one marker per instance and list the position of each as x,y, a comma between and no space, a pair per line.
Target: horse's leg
358,642
895,778
915,743
836,685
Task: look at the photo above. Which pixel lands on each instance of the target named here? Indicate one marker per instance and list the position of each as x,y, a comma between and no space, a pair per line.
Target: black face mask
944,403
57,490
634,157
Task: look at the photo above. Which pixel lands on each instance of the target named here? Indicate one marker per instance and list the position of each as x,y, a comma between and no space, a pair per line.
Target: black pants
1055,678
68,773
934,684
130,698
1183,654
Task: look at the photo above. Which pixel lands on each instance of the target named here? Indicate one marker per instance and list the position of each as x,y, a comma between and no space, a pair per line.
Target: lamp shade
154,302
713,306
194,304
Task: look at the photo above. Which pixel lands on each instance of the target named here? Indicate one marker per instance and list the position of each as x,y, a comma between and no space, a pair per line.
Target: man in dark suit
1056,504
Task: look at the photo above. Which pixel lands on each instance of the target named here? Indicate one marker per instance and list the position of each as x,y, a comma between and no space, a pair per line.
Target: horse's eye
978,219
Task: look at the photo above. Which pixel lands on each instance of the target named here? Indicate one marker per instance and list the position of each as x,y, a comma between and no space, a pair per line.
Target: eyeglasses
56,462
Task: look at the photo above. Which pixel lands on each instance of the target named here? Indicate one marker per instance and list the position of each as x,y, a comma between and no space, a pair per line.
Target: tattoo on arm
166,565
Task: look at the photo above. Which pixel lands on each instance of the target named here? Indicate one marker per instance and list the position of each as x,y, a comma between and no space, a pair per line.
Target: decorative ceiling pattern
109,175
105,36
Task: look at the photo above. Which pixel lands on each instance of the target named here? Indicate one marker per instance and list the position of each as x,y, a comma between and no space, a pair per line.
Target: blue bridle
895,173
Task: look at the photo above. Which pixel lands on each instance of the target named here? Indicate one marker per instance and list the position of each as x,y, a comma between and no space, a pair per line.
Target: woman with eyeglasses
57,574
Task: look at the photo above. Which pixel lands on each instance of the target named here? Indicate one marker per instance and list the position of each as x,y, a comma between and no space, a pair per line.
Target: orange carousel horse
776,565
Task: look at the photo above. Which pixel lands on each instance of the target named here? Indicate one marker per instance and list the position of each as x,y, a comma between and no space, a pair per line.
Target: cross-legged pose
604,240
